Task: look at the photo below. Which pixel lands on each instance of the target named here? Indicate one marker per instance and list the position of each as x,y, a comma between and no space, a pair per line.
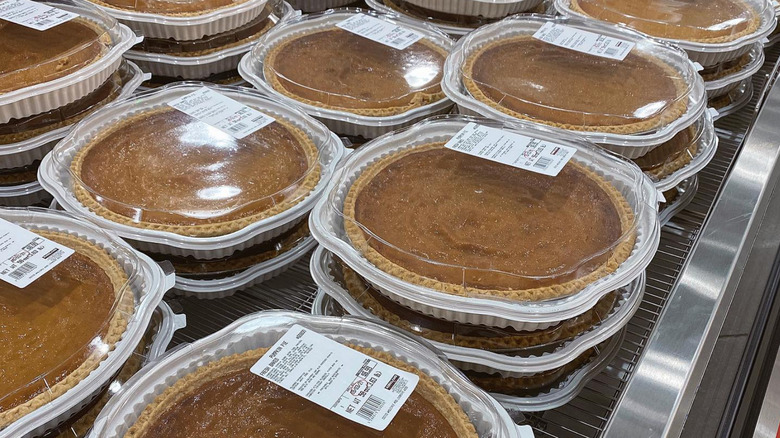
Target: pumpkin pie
497,339
50,327
468,226
724,69
164,170
338,70
169,7
19,175
223,398
671,156
530,79
704,21
29,57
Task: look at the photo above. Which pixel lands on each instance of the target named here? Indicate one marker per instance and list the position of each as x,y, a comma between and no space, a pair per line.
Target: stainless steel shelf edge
657,399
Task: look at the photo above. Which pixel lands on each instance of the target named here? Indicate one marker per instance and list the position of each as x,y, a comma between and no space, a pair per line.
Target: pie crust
216,228
359,240
668,167
19,175
725,69
673,111
434,393
399,105
115,327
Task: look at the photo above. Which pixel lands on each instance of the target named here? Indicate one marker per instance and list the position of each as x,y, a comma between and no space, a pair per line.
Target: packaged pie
23,141
226,78
69,331
172,183
721,78
468,239
505,70
677,198
42,70
209,387
774,36
210,55
499,348
182,21
29,194
711,31
353,84
687,153
733,101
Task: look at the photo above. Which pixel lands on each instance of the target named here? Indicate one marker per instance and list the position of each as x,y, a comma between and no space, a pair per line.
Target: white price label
334,376
584,41
227,115
389,34
512,149
34,15
26,256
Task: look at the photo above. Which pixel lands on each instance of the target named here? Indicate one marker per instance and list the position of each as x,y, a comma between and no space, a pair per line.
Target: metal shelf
606,405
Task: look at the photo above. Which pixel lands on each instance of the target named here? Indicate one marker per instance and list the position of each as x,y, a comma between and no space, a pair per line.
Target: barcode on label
370,408
611,52
238,127
44,22
543,163
23,270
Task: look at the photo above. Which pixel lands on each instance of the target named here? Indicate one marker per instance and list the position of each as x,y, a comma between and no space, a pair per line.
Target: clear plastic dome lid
171,7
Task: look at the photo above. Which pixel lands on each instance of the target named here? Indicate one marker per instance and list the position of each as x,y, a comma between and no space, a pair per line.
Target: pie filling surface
166,170
468,225
29,57
338,69
535,80
694,20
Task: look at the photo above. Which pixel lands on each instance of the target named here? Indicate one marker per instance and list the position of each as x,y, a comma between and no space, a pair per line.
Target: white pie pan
307,6
708,54
263,329
740,97
707,147
224,287
26,152
323,268
59,92
148,283
686,191
57,179
188,27
627,145
326,225
340,122
721,86
24,195
477,8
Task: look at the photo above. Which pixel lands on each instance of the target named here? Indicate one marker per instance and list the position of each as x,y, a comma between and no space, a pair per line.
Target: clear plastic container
210,55
677,199
71,377
711,31
308,6
501,71
456,266
683,156
27,140
223,202
491,347
45,70
231,78
734,101
262,330
724,77
180,20
24,195
352,84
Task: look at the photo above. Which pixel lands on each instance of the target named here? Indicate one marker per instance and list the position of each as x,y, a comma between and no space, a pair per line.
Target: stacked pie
308,6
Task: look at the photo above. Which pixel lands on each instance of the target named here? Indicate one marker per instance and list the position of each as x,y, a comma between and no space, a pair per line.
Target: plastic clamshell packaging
520,361
218,210
216,60
137,298
263,330
482,76
476,8
90,60
29,150
409,95
722,85
307,6
735,100
710,31
24,195
166,19
686,190
558,294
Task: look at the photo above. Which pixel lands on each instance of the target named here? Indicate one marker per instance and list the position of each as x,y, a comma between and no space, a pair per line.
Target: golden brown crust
740,64
358,239
676,110
125,307
682,160
189,384
419,99
308,184
254,37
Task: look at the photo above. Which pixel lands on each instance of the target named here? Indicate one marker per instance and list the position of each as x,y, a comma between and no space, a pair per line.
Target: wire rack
586,415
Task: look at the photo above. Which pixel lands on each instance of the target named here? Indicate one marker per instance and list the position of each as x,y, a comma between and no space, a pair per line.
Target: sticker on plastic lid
232,117
512,149
334,376
389,34
584,41
34,15
26,256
